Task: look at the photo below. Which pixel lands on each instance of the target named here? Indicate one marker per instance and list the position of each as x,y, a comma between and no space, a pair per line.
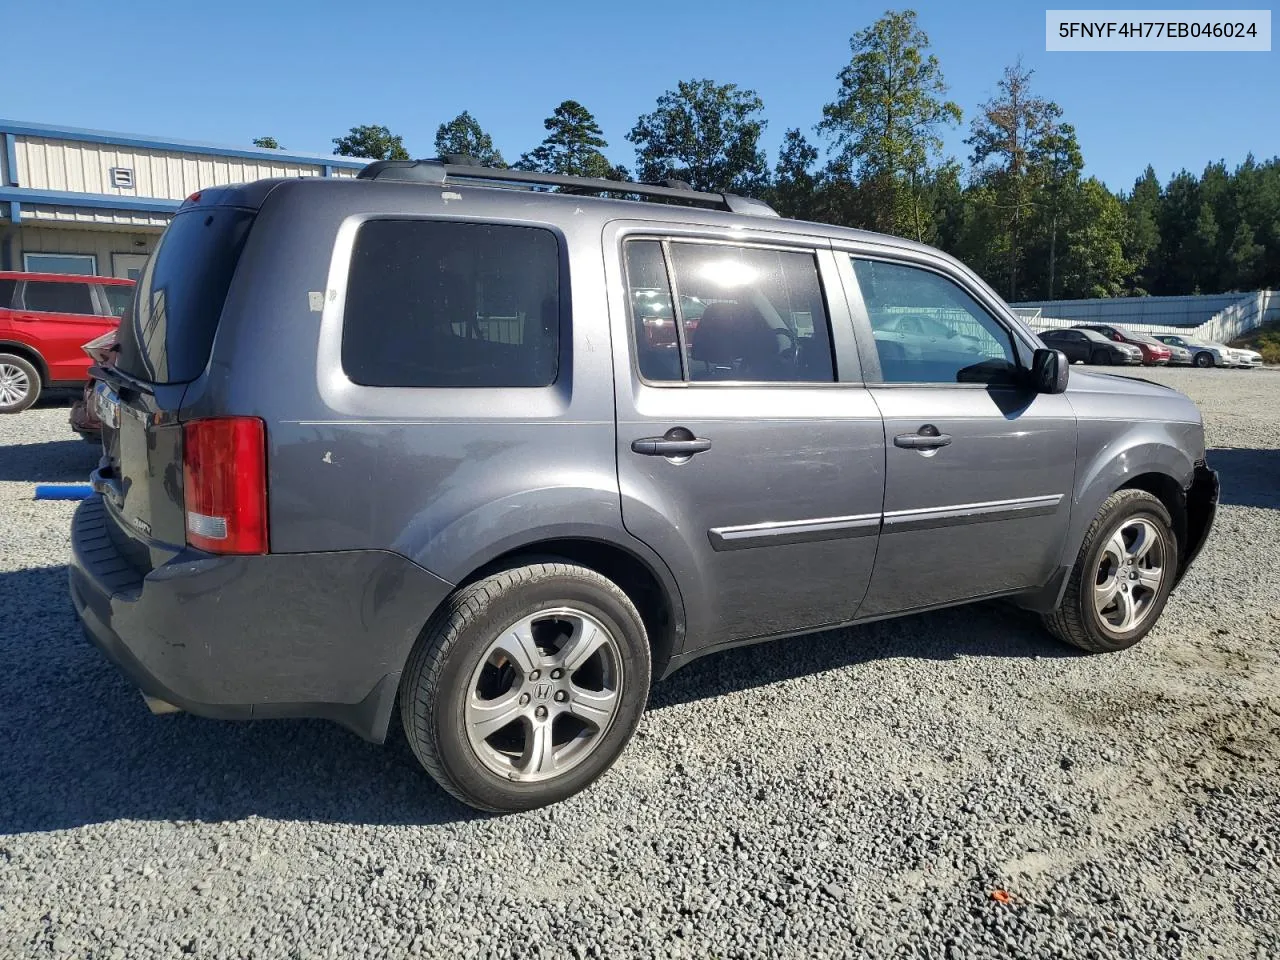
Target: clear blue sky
306,72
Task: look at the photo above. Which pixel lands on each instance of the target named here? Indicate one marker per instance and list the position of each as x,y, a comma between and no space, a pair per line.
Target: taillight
224,479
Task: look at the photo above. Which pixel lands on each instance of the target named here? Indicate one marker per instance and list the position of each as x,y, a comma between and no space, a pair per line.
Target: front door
750,458
978,468
128,266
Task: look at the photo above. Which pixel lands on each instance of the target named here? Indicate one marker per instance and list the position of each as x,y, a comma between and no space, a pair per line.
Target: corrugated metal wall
100,243
81,167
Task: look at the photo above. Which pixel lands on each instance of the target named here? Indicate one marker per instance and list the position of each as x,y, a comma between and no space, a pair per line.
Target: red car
45,320
1153,351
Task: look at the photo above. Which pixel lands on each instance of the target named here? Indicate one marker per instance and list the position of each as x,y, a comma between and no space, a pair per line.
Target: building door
128,266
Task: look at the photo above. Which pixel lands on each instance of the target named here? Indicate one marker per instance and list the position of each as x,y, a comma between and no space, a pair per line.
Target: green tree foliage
1010,137
705,134
1142,209
886,119
795,184
371,143
572,146
464,136
1093,260
267,143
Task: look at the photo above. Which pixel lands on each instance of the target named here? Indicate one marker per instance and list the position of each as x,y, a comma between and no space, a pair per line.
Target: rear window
179,297
119,296
448,304
44,296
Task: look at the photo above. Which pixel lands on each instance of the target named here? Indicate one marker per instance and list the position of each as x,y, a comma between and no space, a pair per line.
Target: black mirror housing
1049,371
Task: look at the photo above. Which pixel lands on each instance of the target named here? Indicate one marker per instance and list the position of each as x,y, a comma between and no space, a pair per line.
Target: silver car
429,441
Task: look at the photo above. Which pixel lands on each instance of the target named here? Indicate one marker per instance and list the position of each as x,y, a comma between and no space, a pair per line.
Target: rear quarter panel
447,477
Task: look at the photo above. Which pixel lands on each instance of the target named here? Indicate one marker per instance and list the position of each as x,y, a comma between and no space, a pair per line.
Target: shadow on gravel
983,630
78,746
1250,478
54,461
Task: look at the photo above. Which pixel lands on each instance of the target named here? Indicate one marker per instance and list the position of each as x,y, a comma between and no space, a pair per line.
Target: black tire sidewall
1206,357
33,377
1146,508
467,772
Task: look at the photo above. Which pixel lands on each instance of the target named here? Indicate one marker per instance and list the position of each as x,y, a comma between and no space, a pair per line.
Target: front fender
1113,455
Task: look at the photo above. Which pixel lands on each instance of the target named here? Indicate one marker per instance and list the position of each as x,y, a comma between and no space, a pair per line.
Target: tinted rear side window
446,304
50,297
7,288
179,298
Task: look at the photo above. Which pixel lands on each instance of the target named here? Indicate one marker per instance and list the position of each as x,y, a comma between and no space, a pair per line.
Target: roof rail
444,171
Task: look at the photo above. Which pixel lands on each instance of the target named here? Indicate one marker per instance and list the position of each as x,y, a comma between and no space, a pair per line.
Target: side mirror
1049,371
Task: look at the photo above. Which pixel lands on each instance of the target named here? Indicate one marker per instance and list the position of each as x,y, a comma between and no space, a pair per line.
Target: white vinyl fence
1234,315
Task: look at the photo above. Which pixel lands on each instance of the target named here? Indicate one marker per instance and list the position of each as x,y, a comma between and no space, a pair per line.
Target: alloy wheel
1130,572
544,694
14,384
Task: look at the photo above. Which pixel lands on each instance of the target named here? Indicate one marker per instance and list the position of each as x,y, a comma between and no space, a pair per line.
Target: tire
1100,358
465,640
19,383
1078,620
1203,359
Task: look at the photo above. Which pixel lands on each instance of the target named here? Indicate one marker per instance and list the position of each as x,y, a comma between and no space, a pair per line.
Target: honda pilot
495,450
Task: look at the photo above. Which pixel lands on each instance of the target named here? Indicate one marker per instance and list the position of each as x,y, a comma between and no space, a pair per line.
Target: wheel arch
30,354
1160,467
646,580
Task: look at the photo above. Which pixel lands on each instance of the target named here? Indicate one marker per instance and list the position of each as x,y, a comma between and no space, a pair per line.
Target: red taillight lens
224,479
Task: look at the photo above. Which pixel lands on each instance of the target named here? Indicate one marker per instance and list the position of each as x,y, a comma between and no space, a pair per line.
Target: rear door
58,317
750,455
978,468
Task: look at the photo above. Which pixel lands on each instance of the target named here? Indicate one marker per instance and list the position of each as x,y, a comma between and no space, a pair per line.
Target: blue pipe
63,491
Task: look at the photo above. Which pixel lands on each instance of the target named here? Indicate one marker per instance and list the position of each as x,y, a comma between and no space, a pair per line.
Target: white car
1207,353
1247,358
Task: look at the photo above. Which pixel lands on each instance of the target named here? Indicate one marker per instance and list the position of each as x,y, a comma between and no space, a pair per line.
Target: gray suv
498,448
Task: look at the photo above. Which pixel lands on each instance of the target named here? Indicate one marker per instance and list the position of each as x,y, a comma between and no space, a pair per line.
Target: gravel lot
859,792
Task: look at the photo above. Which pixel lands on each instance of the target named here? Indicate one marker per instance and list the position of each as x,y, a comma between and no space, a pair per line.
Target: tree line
1018,208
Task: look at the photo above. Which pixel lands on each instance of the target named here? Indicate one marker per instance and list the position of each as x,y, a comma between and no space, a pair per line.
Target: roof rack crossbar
441,171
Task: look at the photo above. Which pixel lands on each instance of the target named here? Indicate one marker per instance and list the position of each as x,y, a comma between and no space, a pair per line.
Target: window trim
805,245
407,404
91,257
866,335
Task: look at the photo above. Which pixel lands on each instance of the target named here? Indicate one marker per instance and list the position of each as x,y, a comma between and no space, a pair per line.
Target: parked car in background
86,418
1153,351
1089,346
1178,356
923,338
45,320
1246,357
472,483
1203,353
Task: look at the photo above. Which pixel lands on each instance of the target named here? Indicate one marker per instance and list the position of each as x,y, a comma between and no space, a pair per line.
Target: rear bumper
1202,509
285,635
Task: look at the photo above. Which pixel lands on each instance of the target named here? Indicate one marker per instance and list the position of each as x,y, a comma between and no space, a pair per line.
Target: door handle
922,441
676,442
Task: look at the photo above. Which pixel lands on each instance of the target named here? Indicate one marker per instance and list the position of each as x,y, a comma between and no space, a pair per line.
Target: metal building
94,202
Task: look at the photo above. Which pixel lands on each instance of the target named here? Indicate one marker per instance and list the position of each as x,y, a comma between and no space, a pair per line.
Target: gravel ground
859,792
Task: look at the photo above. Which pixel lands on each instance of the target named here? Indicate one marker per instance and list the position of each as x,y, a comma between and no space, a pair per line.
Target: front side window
51,297
445,304
928,329
746,314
